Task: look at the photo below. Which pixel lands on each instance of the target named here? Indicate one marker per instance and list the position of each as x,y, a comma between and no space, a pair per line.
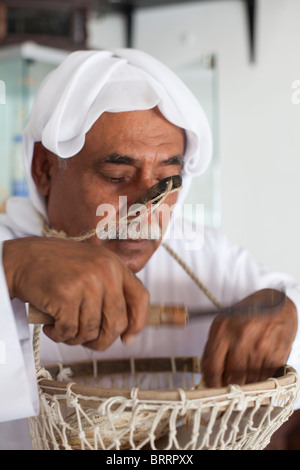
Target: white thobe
228,271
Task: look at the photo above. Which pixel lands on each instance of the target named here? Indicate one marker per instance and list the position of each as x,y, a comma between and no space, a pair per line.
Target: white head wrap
89,83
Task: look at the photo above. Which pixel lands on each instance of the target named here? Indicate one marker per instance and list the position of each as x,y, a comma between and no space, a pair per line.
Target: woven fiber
155,404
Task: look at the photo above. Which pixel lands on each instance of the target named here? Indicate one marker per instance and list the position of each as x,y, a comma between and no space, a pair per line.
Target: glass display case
22,69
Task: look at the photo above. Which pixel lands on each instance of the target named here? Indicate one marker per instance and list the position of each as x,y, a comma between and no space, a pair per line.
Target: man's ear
41,169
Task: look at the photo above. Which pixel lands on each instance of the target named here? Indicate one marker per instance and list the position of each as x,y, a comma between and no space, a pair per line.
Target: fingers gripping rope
151,199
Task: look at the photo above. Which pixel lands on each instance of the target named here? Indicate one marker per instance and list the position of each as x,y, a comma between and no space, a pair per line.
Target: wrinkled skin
247,347
93,297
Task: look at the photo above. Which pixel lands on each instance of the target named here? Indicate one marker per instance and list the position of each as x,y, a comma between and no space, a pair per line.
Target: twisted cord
36,344
151,207
50,232
192,275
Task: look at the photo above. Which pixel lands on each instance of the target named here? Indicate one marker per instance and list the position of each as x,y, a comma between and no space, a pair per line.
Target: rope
193,276
36,344
50,232
123,222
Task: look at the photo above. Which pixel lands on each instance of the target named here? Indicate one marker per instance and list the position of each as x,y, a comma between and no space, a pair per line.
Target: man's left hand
248,347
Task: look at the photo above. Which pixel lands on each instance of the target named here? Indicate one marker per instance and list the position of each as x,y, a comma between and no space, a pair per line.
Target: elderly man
104,125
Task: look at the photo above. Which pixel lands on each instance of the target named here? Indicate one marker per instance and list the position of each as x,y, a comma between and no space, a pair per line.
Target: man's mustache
135,224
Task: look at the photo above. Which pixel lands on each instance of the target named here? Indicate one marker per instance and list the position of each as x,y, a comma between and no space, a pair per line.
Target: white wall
106,31
259,138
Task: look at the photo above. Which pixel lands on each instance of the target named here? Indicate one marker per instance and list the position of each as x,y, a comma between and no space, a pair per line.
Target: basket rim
289,377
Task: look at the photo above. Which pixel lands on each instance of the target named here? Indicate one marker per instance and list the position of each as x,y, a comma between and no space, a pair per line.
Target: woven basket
155,404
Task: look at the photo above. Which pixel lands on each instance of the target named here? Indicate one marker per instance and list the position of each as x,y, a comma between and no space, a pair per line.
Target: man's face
124,154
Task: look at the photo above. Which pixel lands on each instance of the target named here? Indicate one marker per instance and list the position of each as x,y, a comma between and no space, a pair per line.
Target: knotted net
154,404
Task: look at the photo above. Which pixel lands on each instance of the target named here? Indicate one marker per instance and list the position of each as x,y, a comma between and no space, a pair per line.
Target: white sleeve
18,389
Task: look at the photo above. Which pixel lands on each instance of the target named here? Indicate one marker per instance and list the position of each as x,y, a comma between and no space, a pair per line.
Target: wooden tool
158,315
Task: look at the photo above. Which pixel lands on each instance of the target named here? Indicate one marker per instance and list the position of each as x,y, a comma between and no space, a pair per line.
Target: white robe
227,270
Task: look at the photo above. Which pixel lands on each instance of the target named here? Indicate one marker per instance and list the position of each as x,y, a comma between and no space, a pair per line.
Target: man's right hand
92,296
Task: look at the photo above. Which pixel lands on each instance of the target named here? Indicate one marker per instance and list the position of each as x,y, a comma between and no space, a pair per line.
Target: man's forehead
146,127
134,118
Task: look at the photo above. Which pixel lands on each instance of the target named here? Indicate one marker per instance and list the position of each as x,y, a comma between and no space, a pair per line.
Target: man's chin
134,253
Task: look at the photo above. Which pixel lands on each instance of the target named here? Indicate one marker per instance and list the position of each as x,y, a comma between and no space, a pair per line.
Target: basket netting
155,404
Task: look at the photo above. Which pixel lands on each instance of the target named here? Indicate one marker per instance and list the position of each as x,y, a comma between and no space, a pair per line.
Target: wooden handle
158,315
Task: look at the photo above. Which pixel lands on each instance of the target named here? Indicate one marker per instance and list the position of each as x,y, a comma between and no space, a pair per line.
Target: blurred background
241,58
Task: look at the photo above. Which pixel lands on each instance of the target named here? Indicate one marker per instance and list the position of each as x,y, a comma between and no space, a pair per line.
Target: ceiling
150,3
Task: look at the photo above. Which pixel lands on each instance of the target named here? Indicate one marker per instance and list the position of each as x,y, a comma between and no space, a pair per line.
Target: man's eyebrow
119,159
176,160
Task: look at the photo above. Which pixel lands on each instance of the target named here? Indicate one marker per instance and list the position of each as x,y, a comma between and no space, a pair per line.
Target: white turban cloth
88,83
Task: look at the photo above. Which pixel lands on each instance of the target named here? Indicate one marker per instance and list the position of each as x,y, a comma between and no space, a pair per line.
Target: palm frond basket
154,404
